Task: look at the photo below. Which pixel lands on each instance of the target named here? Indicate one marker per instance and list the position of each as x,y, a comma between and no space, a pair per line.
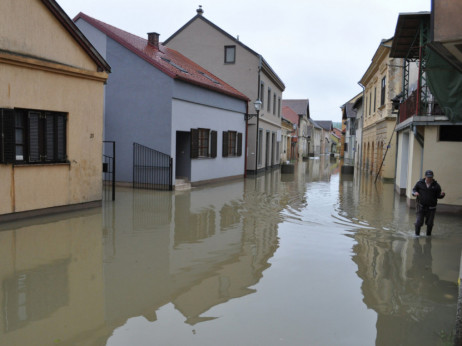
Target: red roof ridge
167,60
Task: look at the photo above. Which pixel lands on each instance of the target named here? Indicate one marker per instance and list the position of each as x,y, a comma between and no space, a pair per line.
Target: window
262,94
31,136
269,100
375,97
345,147
451,133
370,99
230,54
279,107
260,145
232,143
203,143
382,92
274,103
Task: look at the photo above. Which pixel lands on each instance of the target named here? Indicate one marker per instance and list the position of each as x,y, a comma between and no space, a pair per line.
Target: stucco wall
187,116
27,27
42,186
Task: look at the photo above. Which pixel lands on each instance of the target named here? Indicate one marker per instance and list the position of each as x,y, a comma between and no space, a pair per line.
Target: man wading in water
427,191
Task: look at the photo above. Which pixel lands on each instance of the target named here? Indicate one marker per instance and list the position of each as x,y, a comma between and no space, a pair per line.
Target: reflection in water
313,257
51,280
399,272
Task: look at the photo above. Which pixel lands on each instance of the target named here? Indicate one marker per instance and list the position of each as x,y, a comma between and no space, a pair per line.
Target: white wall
187,116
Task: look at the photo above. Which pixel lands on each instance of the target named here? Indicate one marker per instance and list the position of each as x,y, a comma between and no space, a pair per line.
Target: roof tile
168,60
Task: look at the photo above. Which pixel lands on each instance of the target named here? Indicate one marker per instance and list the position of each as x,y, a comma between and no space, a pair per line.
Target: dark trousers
424,214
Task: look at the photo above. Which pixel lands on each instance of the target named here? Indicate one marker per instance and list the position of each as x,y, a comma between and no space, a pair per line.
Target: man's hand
415,194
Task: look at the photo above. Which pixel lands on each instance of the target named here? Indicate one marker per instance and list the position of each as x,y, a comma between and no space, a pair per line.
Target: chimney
153,39
200,11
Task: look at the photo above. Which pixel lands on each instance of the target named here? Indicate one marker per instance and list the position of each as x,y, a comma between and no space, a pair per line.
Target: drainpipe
362,127
258,117
421,142
246,135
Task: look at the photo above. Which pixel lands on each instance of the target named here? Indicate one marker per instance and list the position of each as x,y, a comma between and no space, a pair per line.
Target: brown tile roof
167,60
289,114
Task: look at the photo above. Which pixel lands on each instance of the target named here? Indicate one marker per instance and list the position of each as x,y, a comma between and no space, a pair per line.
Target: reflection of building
51,286
195,249
406,280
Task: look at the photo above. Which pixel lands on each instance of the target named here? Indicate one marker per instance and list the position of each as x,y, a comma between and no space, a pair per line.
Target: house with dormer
51,112
160,102
246,70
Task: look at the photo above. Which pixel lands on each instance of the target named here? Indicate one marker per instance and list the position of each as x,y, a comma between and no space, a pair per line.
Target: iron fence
151,169
109,170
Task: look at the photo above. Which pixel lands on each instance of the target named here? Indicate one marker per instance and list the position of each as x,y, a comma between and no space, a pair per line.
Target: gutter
258,117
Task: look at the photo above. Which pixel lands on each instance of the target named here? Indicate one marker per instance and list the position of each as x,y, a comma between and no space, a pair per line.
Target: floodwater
314,258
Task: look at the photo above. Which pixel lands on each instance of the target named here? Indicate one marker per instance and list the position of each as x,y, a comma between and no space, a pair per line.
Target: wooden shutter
60,137
194,143
239,144
213,148
49,137
225,144
7,138
34,140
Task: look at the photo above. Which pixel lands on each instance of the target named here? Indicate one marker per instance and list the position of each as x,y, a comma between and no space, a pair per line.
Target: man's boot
429,230
417,230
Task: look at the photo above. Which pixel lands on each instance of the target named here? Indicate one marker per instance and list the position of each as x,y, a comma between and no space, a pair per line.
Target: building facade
160,100
247,71
382,82
51,111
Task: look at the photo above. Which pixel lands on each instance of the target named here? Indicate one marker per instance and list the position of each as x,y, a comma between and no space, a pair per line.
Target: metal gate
109,156
151,169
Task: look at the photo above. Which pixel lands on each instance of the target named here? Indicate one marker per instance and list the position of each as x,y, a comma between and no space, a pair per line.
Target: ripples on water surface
314,258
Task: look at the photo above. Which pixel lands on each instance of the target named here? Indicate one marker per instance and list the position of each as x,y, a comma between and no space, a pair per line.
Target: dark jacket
428,196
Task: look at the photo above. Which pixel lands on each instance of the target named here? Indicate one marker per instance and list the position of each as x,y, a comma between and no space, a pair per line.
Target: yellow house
51,111
381,83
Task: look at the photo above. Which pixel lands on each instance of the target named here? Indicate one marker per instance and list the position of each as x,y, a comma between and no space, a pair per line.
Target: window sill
41,164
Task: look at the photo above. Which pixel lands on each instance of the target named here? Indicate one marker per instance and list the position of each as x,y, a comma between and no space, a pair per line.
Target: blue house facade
161,100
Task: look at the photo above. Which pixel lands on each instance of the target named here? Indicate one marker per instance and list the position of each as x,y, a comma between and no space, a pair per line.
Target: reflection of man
427,191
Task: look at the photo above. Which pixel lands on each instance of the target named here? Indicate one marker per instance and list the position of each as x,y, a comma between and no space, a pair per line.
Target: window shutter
49,137
34,152
7,139
194,143
213,149
60,137
239,144
225,144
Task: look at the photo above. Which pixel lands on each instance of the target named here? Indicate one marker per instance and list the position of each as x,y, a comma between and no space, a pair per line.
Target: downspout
246,135
421,142
258,117
362,127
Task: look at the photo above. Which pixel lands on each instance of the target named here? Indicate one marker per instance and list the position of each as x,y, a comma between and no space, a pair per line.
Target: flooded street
314,258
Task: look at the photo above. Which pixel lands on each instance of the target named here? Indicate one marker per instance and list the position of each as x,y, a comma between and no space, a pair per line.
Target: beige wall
31,83
27,27
437,157
447,25
204,44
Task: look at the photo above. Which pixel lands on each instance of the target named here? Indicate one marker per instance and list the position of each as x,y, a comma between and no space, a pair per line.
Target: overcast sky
319,48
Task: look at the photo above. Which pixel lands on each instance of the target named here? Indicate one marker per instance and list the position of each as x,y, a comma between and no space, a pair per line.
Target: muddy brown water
314,258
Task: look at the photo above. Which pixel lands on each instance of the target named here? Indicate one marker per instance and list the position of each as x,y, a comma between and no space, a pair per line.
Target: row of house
409,116
181,109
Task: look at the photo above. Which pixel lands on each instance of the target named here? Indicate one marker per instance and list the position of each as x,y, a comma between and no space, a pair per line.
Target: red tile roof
289,114
167,60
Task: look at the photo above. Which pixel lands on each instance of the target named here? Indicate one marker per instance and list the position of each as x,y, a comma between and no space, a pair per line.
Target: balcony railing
409,107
